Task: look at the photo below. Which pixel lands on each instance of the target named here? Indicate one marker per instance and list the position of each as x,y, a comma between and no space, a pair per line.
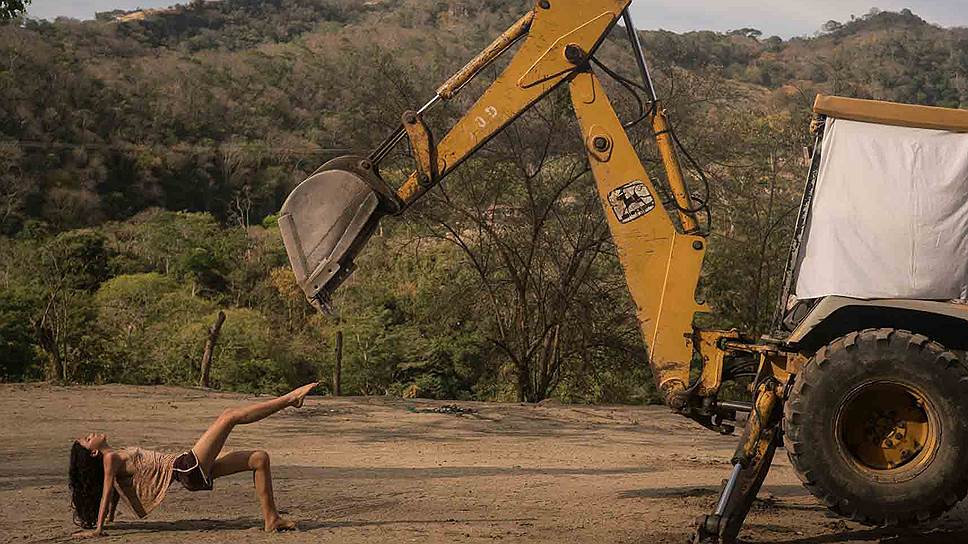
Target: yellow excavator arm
328,217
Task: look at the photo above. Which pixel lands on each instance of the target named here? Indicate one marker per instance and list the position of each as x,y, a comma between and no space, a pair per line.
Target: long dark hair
87,483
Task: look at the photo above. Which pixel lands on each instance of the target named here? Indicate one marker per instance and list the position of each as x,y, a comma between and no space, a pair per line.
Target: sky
784,18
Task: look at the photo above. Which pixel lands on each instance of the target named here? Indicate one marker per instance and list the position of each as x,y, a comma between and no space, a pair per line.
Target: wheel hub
887,427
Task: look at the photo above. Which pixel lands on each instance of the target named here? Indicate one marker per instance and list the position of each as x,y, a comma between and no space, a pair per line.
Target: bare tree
241,206
529,222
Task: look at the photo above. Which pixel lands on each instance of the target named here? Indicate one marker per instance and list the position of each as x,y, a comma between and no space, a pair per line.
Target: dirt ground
377,470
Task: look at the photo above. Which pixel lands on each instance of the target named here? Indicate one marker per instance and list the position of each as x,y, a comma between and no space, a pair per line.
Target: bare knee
229,416
259,460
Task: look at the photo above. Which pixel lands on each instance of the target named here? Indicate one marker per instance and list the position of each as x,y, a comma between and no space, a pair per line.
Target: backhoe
861,379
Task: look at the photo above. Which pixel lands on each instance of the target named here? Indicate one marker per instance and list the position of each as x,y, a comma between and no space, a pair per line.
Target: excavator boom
329,217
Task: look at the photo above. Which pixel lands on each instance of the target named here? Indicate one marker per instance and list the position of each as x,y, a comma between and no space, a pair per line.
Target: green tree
17,349
12,8
66,271
249,356
139,315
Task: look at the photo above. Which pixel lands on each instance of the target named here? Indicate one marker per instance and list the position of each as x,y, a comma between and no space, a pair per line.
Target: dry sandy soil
374,470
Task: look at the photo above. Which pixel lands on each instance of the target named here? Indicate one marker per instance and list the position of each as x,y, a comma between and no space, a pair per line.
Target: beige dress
151,474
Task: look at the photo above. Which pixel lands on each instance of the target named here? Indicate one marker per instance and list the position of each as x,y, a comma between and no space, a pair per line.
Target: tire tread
808,465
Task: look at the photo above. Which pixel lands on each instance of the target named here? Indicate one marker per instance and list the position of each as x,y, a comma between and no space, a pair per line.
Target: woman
100,475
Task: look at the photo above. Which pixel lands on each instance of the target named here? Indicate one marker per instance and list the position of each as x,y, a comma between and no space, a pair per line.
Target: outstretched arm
112,463
115,497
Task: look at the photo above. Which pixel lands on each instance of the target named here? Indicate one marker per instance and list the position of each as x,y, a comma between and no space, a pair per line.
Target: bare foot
280,524
298,395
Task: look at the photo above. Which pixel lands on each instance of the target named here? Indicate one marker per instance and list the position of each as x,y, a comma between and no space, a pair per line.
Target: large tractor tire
877,427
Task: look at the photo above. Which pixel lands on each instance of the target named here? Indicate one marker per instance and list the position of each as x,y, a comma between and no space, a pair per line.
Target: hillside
275,76
143,160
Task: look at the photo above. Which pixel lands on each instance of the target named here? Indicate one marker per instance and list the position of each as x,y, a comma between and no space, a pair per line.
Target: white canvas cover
889,216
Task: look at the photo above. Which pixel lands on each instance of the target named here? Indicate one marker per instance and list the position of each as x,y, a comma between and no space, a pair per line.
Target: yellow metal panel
891,113
661,265
554,63
422,146
506,98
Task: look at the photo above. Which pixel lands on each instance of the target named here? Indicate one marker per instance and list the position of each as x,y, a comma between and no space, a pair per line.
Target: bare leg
210,444
256,462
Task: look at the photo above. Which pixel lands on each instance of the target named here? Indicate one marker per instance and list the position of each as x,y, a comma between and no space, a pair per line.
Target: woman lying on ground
101,475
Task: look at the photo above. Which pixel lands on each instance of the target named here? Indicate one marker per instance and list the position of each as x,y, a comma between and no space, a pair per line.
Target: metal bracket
423,146
713,358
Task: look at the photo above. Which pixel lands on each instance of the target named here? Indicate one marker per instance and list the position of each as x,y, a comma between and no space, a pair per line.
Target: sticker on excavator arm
631,201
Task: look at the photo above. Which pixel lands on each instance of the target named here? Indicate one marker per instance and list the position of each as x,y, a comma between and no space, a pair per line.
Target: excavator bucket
328,219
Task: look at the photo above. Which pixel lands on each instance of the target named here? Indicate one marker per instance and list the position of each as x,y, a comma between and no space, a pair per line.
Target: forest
143,160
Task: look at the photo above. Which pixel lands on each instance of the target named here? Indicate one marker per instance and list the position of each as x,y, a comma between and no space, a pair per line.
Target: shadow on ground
295,472
255,524
885,536
709,491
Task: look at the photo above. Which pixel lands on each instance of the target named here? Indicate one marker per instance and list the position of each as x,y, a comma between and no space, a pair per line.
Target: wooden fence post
338,367
213,333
